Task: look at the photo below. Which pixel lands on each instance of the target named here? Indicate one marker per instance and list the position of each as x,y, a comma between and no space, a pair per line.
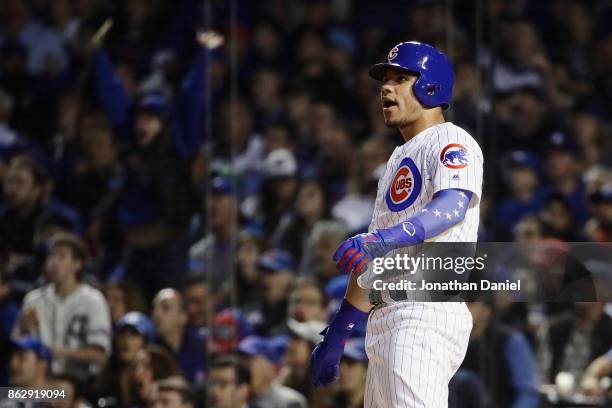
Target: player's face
400,106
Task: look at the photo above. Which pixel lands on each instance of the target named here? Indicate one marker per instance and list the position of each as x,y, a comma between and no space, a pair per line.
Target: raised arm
189,109
114,97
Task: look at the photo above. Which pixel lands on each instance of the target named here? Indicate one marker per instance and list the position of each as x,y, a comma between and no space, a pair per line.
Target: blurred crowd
177,174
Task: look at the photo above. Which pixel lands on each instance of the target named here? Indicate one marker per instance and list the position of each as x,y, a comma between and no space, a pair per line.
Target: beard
397,123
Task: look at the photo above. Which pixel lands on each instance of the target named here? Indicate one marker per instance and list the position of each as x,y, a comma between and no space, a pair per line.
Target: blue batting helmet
434,86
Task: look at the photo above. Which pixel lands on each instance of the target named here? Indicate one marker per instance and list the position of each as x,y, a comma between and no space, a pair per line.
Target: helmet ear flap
431,89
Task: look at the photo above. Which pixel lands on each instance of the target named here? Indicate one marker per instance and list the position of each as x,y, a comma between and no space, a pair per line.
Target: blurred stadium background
171,201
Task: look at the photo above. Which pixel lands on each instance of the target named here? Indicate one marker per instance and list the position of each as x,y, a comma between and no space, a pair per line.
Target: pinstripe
435,350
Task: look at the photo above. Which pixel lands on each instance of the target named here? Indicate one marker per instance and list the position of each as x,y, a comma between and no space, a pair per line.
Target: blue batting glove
325,363
325,358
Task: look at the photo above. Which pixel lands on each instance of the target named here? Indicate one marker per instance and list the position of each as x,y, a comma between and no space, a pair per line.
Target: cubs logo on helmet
392,53
405,186
454,156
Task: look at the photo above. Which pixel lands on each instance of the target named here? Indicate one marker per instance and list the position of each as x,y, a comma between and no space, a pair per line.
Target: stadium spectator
303,336
599,227
73,392
156,200
263,360
306,301
246,285
24,203
70,316
353,368
172,392
153,363
187,346
563,165
123,297
229,327
215,251
132,332
229,383
198,301
520,174
325,237
30,363
293,229
598,369
570,341
355,209
503,359
278,190
277,270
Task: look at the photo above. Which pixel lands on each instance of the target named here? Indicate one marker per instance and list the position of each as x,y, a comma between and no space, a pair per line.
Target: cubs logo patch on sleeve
454,156
405,186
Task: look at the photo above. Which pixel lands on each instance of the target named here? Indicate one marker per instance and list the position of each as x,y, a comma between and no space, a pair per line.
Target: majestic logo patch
392,54
405,186
454,156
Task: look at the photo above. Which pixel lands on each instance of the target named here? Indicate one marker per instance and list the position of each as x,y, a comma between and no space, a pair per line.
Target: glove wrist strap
343,323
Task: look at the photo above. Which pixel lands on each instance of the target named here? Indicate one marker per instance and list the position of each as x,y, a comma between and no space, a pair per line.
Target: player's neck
429,118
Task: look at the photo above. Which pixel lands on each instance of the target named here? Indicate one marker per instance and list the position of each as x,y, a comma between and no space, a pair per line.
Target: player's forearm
357,296
444,211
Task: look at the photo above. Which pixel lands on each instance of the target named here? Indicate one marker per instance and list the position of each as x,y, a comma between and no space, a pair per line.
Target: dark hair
195,279
176,384
132,293
39,175
243,374
307,281
76,383
163,363
72,241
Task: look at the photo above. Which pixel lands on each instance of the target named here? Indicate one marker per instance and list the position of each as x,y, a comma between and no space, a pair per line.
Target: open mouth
388,103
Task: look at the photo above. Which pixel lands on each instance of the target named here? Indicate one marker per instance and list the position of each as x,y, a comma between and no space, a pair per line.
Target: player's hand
210,39
325,363
355,253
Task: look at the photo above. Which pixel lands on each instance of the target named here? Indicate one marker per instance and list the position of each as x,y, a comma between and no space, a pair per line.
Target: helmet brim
378,70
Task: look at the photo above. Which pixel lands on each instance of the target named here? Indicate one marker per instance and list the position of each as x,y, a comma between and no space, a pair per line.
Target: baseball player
430,191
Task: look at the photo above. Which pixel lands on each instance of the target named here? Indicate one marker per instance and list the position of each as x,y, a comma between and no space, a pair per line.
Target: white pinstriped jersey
415,347
440,157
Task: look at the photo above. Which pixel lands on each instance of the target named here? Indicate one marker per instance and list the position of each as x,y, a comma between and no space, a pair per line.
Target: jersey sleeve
99,331
455,161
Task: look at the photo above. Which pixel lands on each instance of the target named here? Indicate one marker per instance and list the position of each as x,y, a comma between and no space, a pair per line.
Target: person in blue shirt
520,172
187,345
156,198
